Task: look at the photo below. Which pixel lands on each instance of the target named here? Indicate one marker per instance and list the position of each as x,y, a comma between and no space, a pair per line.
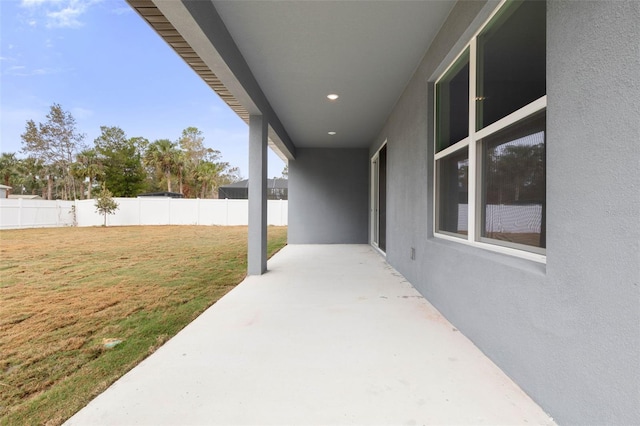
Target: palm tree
180,167
79,172
9,168
32,174
212,175
207,173
88,166
162,156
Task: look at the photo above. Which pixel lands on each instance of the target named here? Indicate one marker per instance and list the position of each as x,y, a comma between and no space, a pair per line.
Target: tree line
59,165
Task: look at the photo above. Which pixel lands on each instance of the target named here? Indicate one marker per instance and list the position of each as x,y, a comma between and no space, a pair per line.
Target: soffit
300,51
167,30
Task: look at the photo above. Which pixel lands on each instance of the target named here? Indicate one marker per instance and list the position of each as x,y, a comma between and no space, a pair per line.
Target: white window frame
472,141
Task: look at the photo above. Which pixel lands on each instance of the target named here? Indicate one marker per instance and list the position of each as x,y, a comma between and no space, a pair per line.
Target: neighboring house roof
276,183
5,187
25,196
165,194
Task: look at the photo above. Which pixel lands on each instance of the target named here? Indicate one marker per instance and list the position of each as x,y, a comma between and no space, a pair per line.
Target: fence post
281,212
20,213
281,203
226,216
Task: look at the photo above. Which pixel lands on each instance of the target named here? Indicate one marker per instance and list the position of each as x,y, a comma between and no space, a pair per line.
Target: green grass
64,290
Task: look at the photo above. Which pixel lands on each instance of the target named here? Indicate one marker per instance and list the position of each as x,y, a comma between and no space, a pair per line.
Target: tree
229,175
162,156
208,174
196,167
516,173
51,174
192,143
180,168
111,138
122,169
194,155
105,204
9,169
55,143
87,167
33,175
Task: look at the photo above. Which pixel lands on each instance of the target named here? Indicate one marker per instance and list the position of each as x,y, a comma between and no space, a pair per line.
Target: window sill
512,257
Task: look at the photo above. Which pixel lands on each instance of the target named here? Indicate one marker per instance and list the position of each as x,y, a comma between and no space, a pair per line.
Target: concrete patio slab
330,335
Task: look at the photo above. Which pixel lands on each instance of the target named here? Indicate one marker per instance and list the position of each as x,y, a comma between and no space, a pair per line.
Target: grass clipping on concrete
65,292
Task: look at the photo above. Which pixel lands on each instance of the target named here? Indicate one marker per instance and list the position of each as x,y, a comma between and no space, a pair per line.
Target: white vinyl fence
35,213
134,211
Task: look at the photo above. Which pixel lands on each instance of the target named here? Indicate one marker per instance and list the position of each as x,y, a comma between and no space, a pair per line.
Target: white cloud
58,13
66,18
33,3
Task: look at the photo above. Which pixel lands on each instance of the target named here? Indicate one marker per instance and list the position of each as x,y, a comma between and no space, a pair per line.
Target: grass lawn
63,291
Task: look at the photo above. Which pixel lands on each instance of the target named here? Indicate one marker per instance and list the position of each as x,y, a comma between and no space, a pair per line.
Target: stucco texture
328,196
567,332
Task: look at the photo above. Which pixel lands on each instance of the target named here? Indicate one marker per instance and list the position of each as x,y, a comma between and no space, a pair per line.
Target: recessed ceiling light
332,97
332,133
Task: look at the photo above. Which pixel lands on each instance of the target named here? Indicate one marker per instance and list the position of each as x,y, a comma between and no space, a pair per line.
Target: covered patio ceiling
281,59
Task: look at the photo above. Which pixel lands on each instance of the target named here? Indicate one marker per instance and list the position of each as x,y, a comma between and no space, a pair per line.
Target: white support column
257,258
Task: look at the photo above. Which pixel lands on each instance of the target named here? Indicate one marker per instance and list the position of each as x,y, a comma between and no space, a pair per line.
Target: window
453,104
453,194
490,135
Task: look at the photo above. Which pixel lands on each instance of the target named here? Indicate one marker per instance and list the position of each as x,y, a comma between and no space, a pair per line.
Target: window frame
473,142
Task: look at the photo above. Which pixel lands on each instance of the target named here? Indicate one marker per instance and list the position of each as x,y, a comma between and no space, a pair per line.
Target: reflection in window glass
453,192
511,61
452,99
513,184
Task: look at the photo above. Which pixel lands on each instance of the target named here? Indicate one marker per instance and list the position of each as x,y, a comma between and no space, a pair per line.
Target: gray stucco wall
567,332
328,196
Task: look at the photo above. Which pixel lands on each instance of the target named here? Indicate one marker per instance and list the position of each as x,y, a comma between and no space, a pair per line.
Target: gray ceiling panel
300,51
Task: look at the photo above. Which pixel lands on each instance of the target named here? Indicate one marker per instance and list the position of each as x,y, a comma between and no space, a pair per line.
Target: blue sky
105,65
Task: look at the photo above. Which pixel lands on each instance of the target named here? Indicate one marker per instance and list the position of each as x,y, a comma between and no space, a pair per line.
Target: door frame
375,199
